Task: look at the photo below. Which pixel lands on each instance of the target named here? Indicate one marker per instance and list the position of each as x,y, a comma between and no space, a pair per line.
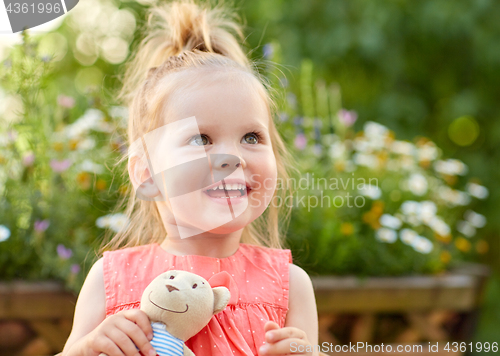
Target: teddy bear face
179,299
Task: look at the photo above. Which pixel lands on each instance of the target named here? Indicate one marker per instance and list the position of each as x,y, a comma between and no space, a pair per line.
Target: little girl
195,102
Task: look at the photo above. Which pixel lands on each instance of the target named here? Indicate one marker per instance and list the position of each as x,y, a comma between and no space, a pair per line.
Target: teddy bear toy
179,304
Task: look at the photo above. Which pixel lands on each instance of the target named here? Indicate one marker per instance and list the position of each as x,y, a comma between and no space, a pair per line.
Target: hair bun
183,26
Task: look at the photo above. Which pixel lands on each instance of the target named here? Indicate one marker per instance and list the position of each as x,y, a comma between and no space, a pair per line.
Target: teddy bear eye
172,277
195,285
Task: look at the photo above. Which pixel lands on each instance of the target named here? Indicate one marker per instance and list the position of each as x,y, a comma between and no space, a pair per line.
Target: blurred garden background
406,92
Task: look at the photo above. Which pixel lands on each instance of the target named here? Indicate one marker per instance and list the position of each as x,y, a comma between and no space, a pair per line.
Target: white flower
118,222
422,245
86,144
407,163
453,197
360,144
407,236
477,191
450,167
371,191
417,184
466,228
4,233
366,160
115,222
103,221
92,119
337,150
403,148
475,219
386,235
427,152
92,167
427,210
375,131
390,221
439,226
120,112
410,207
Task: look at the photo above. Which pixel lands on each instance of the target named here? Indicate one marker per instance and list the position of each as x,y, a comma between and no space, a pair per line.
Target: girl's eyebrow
249,126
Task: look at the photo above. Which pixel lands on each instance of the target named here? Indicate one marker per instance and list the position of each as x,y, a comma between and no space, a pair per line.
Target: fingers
124,334
285,333
131,336
286,347
123,341
270,325
141,319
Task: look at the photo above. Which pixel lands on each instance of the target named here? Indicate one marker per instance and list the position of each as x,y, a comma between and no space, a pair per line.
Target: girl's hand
284,341
119,334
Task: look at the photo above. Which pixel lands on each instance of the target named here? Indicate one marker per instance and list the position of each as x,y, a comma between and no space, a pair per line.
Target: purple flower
60,166
28,159
300,141
64,252
41,225
348,118
268,51
75,268
65,101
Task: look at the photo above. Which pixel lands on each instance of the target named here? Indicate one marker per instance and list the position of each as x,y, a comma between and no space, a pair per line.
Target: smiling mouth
228,191
172,311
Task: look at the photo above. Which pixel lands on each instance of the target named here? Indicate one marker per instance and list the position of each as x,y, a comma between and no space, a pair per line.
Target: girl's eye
195,285
199,140
251,138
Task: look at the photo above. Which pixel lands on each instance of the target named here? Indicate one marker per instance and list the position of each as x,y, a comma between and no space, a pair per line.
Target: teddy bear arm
187,351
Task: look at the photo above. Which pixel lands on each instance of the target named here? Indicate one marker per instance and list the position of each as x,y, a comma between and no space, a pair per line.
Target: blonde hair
185,36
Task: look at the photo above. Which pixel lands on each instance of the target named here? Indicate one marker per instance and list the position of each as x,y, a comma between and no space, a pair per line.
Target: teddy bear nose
171,288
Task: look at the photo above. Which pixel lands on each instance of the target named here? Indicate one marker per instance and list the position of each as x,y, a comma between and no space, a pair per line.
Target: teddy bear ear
221,298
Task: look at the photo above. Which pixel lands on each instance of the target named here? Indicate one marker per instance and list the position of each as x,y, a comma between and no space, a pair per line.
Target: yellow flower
58,146
339,166
346,229
123,189
445,257
83,178
462,244
372,217
101,184
482,246
73,144
449,179
446,239
2,160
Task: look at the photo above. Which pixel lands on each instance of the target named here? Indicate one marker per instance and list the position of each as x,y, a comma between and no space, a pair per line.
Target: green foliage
52,188
413,66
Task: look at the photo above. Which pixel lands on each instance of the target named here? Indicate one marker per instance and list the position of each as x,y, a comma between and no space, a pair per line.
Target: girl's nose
225,162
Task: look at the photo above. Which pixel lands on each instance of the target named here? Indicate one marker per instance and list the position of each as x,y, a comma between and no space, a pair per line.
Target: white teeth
235,186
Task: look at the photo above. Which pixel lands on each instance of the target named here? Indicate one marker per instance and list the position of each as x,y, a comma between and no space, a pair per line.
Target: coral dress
258,284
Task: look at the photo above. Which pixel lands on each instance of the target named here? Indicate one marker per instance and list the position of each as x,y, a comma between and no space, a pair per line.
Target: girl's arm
300,334
93,333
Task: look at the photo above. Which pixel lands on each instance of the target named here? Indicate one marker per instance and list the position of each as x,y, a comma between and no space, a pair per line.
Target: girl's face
215,154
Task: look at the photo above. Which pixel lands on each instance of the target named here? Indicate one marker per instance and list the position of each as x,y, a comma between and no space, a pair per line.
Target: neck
205,244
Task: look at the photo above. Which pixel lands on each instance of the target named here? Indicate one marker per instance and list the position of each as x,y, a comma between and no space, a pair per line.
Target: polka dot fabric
259,289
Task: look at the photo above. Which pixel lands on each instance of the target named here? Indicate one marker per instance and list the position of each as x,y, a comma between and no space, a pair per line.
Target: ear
144,185
221,298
